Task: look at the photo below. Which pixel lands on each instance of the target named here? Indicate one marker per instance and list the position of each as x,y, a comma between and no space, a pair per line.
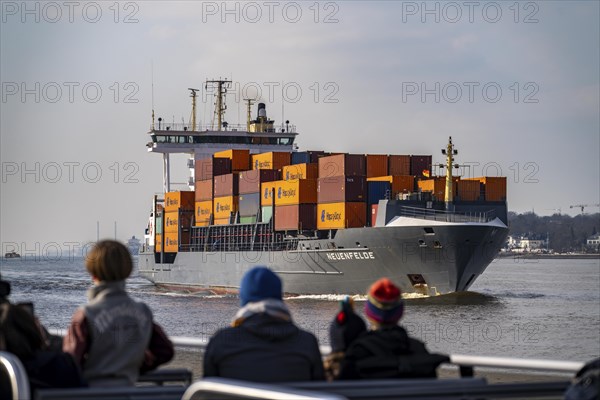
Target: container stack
226,197
295,204
178,214
250,183
493,188
437,186
341,192
158,228
271,160
205,171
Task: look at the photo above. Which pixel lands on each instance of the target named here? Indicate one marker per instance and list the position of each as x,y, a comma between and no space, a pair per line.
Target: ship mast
193,95
220,105
249,103
450,152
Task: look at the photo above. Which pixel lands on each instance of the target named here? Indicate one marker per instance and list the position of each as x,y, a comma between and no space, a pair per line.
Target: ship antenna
220,106
450,152
193,95
152,77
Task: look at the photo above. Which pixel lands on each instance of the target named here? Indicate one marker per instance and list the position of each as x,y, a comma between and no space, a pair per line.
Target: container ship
327,223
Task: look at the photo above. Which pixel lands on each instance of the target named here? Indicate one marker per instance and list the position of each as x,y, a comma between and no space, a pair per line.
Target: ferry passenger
386,351
22,334
263,344
345,327
113,337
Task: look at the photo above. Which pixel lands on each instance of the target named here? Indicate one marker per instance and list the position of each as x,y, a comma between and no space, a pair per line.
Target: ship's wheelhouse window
159,138
429,231
286,141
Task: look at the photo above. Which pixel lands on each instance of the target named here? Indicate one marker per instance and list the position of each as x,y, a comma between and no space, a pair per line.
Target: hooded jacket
389,353
264,348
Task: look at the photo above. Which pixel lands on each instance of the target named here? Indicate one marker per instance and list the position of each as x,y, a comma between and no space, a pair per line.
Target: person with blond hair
113,337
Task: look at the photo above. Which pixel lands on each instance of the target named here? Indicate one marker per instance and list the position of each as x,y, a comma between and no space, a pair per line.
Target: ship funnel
262,110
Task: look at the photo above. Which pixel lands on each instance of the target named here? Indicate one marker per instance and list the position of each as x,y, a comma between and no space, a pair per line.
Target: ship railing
187,127
447,216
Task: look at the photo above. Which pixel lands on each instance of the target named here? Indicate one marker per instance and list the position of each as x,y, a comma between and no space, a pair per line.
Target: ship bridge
258,135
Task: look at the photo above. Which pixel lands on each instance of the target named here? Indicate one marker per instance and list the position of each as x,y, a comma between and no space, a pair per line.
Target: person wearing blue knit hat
263,344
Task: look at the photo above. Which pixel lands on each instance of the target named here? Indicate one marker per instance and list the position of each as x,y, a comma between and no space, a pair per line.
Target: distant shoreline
534,256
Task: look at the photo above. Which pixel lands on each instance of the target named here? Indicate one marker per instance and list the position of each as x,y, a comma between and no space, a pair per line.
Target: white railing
570,367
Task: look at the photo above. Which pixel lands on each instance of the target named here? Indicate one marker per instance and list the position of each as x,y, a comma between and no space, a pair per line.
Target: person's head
109,261
258,284
384,306
4,290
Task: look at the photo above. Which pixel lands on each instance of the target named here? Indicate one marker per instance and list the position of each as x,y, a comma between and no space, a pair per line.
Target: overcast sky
515,84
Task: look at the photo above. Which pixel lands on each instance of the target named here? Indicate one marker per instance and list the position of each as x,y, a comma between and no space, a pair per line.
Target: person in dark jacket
22,334
263,344
343,330
113,338
386,351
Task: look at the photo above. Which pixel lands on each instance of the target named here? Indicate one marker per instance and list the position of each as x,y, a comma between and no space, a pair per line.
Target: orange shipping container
437,186
398,165
271,160
173,219
469,190
377,165
203,211
158,243
177,200
240,159
494,187
266,193
224,206
302,191
300,171
400,183
341,215
204,190
172,241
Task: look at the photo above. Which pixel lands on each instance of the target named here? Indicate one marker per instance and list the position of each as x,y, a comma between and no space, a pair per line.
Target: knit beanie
258,284
384,305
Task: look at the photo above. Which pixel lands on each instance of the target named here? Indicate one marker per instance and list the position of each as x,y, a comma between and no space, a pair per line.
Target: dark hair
109,260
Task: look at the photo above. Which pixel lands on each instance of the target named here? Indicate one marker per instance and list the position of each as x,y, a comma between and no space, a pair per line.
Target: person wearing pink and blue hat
386,351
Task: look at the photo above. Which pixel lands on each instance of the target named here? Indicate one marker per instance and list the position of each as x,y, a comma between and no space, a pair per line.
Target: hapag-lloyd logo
263,164
172,202
335,216
203,211
287,193
223,207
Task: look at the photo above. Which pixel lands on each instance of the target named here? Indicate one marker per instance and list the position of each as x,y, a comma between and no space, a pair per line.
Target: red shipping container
249,181
398,165
419,164
226,185
342,165
208,168
296,217
374,208
377,165
341,189
204,190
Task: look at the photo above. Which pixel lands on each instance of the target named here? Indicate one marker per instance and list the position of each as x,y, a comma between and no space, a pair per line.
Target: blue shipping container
300,157
377,190
249,204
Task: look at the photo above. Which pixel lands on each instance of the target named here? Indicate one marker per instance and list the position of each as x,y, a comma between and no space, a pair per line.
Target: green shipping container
248,220
158,222
267,213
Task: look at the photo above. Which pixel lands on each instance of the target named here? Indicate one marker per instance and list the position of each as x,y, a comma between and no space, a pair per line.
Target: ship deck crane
583,206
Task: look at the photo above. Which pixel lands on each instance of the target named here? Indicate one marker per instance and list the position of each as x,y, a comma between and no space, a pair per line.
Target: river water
547,309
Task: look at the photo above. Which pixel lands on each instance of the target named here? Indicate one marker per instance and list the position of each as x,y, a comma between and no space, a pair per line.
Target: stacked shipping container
341,191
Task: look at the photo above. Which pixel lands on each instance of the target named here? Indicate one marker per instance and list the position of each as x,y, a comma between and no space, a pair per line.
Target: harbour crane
583,206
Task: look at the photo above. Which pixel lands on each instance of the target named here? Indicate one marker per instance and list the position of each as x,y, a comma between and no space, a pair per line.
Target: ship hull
447,260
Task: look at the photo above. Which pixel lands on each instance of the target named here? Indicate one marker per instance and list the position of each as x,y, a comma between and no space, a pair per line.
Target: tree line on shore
565,233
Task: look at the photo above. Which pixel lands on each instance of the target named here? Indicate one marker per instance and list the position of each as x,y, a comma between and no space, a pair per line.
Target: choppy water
547,309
